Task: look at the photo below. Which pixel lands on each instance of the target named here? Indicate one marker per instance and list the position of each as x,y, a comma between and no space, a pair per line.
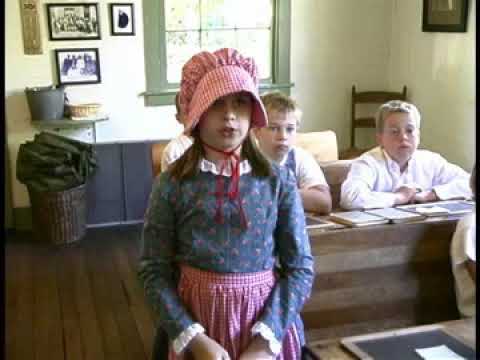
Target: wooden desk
463,330
380,277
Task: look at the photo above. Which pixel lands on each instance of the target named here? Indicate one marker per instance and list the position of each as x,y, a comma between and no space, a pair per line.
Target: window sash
160,92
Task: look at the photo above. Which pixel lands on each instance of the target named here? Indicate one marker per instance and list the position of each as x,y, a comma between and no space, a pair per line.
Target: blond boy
276,142
396,172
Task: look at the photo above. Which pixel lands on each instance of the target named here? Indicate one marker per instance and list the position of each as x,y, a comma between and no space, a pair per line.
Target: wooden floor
80,301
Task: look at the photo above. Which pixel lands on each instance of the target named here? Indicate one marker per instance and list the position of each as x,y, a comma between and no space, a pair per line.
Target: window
177,29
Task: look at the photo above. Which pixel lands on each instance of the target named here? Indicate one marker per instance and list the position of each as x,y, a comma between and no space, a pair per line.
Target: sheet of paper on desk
437,210
357,218
438,352
396,215
440,208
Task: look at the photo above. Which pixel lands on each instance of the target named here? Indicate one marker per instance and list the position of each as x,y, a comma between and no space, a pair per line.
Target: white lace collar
208,166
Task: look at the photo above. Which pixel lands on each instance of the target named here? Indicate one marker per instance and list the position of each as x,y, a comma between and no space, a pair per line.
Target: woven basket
59,217
84,110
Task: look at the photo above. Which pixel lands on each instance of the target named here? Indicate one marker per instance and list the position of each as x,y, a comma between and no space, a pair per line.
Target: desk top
339,228
463,330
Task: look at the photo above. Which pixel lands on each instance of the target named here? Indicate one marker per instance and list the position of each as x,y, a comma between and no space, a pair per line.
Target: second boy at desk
395,172
276,142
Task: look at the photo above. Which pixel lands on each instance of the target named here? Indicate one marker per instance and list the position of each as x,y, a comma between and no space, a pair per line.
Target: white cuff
186,336
264,331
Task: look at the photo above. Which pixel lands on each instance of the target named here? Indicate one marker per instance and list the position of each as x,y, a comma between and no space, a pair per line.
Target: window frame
159,92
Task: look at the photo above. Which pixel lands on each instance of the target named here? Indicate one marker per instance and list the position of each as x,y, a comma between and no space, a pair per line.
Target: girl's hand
257,350
204,348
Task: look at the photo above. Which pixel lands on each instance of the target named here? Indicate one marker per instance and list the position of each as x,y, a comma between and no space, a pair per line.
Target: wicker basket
84,110
59,217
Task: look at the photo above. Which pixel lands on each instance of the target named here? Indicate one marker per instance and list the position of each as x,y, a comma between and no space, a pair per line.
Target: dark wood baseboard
22,218
23,221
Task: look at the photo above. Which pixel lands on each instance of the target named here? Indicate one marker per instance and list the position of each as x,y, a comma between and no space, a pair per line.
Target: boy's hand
257,350
425,196
404,195
203,347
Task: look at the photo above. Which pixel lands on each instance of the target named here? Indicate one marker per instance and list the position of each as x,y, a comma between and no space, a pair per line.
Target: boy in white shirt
395,172
462,252
276,142
176,147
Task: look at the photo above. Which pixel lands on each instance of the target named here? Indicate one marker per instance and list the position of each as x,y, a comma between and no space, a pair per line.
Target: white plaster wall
439,70
336,44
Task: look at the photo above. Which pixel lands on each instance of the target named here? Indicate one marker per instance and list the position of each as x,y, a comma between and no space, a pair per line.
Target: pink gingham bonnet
207,77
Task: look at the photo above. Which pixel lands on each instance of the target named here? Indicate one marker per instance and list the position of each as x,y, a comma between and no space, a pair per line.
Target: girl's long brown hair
187,165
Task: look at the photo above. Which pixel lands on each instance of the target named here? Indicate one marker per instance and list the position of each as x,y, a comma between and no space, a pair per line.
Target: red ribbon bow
233,192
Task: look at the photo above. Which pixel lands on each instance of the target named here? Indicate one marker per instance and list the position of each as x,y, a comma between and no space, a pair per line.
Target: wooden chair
367,97
321,144
157,150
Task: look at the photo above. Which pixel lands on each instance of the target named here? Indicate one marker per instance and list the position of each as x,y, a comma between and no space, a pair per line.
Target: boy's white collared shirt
307,171
374,176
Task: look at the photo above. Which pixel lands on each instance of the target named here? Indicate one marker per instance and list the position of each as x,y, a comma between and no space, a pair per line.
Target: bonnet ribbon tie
233,192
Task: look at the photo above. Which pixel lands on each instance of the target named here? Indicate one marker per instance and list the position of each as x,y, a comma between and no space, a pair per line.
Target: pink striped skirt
228,305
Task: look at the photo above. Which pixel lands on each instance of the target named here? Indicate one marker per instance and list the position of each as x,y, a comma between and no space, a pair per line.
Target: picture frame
78,66
122,19
73,21
445,15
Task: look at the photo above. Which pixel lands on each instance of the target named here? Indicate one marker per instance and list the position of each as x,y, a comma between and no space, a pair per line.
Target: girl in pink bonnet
218,220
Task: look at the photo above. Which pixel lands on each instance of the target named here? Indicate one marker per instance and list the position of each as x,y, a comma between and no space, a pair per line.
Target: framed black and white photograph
78,66
73,21
445,15
122,21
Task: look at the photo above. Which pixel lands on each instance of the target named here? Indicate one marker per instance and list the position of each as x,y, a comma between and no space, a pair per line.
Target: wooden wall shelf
69,123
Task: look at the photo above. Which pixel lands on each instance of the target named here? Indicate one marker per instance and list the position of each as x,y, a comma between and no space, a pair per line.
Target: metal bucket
46,103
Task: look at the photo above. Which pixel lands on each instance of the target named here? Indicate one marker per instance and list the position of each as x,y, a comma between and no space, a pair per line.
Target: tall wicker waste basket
55,170
59,217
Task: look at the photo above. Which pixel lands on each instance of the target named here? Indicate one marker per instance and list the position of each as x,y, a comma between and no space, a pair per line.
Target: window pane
181,46
218,14
214,40
257,44
253,13
182,15
244,25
